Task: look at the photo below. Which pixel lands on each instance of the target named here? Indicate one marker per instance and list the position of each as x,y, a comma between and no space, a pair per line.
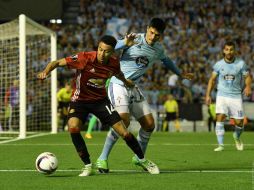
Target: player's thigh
221,106
77,115
140,109
239,122
125,117
118,95
106,113
143,113
221,117
236,108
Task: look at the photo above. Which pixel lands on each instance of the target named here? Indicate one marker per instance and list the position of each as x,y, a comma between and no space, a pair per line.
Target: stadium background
195,33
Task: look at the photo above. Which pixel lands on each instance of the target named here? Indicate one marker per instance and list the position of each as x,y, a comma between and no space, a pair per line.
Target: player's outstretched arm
170,65
210,87
50,67
247,89
129,40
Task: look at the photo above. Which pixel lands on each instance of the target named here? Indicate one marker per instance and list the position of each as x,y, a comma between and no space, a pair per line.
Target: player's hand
129,83
129,39
188,76
247,91
42,75
208,100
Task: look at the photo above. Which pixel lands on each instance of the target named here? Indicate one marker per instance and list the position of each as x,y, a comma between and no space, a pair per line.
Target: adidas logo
92,70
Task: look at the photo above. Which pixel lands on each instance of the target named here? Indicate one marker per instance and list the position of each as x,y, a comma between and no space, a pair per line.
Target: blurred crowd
195,33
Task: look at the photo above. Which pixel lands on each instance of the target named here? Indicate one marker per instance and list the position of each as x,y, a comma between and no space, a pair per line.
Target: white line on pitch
135,171
6,137
29,137
120,144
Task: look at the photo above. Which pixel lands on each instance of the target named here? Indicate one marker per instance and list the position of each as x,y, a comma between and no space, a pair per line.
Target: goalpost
27,105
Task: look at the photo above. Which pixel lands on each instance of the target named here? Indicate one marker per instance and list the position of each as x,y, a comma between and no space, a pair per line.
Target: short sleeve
77,61
245,70
216,68
162,55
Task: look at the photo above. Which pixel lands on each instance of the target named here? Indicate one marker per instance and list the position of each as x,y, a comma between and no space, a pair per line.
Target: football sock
111,139
132,142
165,126
177,125
220,131
238,131
81,148
143,138
91,124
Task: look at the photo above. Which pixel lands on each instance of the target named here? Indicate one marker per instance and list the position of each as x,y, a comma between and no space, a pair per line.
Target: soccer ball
46,163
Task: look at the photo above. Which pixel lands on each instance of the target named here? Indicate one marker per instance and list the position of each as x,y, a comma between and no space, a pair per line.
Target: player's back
230,77
135,60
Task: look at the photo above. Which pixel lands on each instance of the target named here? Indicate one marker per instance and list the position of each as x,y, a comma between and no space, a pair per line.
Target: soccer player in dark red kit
89,96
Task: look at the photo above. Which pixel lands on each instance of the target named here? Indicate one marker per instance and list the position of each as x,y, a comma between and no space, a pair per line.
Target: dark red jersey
91,76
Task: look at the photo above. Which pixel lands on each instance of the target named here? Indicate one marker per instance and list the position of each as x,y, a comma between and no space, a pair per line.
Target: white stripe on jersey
77,91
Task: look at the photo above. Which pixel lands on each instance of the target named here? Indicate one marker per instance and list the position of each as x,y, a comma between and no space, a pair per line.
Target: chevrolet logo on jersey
142,61
97,83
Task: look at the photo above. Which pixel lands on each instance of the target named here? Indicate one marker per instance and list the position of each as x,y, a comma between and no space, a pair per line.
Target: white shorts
232,107
128,100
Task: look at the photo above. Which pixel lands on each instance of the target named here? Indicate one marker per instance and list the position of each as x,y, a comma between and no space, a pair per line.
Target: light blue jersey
230,77
135,60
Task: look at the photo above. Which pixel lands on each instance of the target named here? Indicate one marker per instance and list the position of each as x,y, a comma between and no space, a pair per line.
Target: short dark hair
109,40
229,43
158,24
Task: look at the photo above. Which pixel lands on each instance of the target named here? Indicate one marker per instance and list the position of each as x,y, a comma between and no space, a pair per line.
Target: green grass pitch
186,160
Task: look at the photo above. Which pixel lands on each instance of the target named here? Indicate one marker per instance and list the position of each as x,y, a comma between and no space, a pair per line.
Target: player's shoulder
140,37
114,59
220,62
158,46
88,55
239,61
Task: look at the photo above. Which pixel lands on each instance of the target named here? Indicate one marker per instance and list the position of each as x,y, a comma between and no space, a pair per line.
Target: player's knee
149,127
127,136
239,123
74,130
73,127
147,123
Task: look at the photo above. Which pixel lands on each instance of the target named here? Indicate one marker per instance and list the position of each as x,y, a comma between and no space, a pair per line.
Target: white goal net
27,105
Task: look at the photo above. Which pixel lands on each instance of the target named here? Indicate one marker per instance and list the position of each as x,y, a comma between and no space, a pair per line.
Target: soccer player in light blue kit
140,51
231,73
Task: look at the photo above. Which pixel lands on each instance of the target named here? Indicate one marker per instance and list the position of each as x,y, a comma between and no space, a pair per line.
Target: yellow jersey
171,106
63,95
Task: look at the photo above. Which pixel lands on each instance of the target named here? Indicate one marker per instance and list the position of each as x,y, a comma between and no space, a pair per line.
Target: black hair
109,40
229,43
158,24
